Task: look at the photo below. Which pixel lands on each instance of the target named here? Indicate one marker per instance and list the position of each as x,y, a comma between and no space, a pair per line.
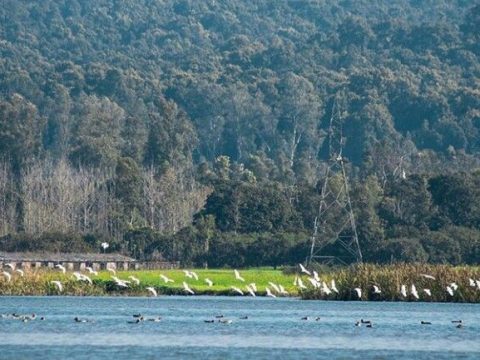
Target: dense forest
197,129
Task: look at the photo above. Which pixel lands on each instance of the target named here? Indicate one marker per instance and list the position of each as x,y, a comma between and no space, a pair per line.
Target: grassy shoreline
388,278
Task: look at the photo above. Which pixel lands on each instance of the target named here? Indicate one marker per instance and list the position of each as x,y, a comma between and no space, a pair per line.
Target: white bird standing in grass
61,268
151,290
269,293
376,290
450,290
359,292
58,284
325,288
427,291
253,286
187,288
282,290
403,291
315,276
7,276
414,292
295,281
209,282
194,274
237,290
135,280
472,282
120,283
20,271
188,274
237,275
166,279
305,271
314,282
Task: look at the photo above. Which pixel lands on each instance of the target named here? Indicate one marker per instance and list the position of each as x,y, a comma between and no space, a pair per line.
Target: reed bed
390,278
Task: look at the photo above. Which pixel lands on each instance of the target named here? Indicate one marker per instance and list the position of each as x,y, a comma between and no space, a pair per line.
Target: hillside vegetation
196,129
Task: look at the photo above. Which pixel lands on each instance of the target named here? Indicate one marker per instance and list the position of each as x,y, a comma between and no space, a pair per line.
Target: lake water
273,330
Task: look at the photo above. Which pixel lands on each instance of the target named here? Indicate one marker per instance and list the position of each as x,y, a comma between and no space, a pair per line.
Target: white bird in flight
135,280
359,292
91,271
7,275
414,292
20,271
301,285
426,276
58,284
187,288
269,293
302,268
334,286
237,290
209,282
61,268
166,279
151,290
237,275
250,290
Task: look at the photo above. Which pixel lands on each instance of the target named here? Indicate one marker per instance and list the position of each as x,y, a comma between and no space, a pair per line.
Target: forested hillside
197,128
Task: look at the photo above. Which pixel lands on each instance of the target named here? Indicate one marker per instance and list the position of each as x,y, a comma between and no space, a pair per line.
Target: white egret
237,290
61,268
58,284
91,271
403,291
414,292
237,275
209,282
253,286
314,282
333,286
134,279
269,293
315,276
166,279
194,274
325,289
454,286
302,268
426,276
376,290
450,290
472,282
427,291
187,288
20,271
282,290
188,274
478,284
151,290
250,290
274,286
295,280
7,275
301,285
359,292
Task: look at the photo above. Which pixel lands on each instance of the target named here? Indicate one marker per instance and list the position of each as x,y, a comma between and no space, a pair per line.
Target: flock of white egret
272,290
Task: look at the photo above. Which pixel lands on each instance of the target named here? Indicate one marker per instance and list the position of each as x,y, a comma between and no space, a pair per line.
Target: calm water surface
273,330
